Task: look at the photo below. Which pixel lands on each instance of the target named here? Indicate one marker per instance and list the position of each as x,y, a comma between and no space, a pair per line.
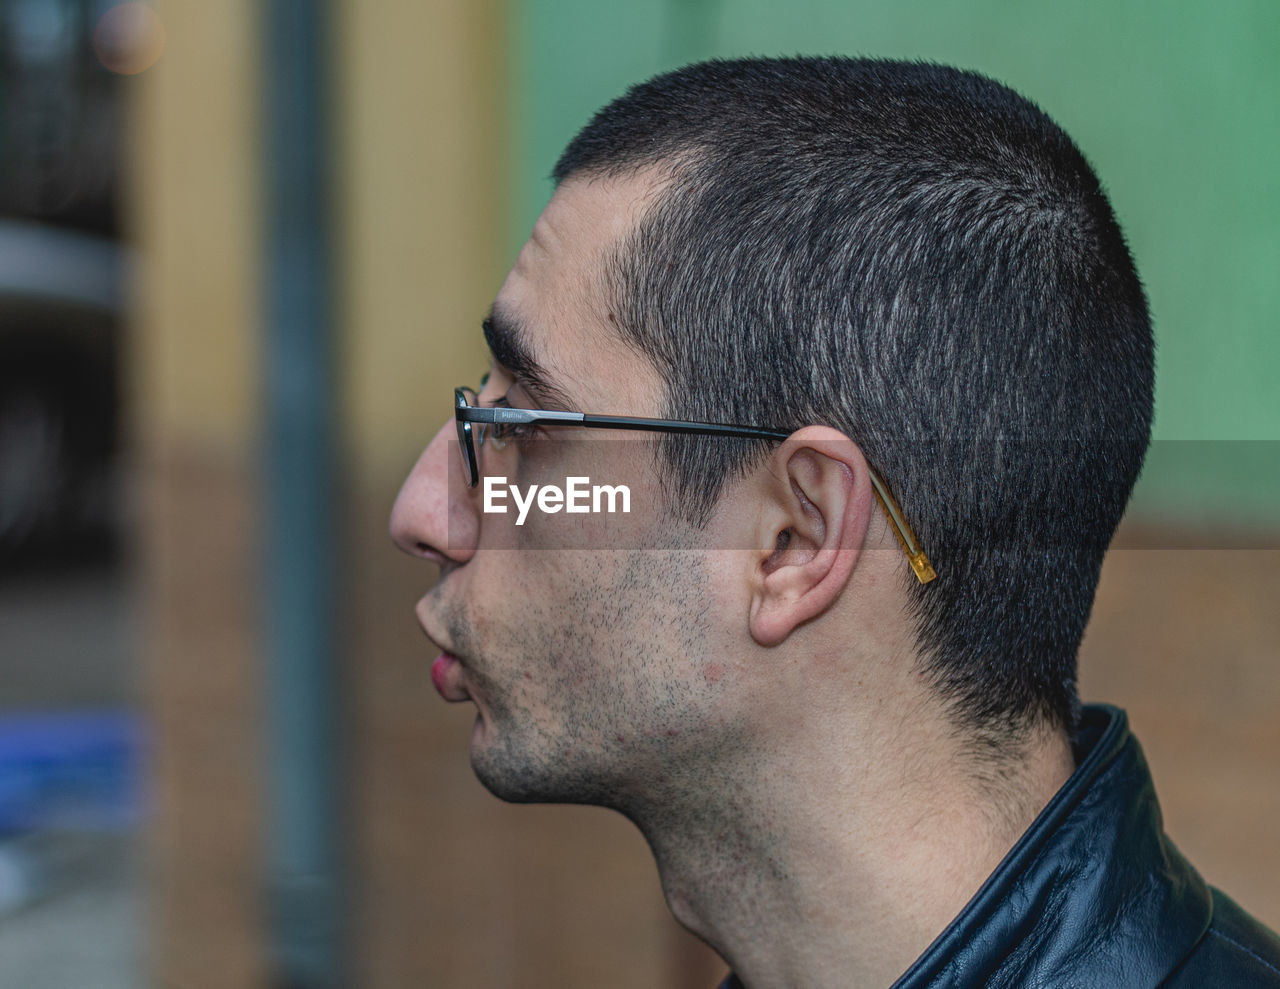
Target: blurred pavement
76,913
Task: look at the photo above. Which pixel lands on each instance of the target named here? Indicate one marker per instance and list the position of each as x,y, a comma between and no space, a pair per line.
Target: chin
521,777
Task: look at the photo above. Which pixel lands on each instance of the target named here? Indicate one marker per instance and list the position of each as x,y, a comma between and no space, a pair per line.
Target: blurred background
244,251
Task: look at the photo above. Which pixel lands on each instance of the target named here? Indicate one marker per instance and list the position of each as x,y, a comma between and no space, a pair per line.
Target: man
826,662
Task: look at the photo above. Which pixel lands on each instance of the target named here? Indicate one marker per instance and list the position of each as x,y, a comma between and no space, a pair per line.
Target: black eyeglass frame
465,414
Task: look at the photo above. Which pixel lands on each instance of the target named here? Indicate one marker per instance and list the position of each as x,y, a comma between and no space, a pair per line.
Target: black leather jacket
1095,894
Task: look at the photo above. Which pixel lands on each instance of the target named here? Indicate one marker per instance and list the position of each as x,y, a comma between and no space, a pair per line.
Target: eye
484,383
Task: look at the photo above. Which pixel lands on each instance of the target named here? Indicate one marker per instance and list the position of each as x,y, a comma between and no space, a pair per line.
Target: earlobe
816,520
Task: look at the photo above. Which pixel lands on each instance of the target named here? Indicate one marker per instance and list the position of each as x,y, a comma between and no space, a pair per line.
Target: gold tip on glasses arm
920,564
465,413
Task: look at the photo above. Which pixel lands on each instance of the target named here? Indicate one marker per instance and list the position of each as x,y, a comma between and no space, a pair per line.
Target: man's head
904,266
922,259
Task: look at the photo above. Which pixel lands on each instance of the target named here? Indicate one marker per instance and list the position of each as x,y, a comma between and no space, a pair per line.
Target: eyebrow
509,346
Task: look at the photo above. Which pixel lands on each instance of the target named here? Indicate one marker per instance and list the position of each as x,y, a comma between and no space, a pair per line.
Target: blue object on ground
71,771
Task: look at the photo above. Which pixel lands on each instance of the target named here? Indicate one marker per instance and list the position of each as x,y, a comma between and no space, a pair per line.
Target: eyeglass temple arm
534,417
920,564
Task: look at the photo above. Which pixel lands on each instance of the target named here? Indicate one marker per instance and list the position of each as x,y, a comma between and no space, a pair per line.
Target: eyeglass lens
466,447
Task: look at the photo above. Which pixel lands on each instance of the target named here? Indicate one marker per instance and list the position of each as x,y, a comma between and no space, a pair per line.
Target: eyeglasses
474,422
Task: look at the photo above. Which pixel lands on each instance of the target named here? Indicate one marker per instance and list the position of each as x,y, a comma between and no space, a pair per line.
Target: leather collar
1093,893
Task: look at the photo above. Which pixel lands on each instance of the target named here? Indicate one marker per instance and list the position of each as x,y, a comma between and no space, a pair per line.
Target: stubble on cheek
593,685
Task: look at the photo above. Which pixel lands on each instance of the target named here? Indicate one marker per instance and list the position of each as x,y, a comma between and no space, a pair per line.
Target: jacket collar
1092,894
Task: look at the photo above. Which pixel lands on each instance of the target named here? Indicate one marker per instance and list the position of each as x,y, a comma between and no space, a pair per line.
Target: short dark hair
920,257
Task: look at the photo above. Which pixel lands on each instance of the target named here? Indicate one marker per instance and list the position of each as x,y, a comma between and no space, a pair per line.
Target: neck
824,859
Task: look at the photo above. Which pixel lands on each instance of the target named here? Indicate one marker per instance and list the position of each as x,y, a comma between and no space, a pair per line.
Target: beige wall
193,213
193,399
421,126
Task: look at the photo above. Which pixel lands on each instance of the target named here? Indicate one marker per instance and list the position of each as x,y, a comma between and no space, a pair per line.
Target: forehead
559,297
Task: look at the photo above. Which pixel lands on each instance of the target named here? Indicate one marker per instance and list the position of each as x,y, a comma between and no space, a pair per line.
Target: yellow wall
193,375
421,133
193,211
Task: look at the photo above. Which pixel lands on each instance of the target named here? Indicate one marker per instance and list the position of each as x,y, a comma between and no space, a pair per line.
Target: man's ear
816,516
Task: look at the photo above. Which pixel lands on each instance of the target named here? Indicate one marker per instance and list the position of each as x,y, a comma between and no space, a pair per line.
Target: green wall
1177,104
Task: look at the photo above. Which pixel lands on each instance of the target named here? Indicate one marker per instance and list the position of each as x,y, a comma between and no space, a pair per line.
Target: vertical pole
301,543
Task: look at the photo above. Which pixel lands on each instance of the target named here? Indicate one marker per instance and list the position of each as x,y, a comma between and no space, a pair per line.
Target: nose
426,521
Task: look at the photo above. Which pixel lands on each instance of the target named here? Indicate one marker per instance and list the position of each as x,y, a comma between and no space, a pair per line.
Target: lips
448,669
446,674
